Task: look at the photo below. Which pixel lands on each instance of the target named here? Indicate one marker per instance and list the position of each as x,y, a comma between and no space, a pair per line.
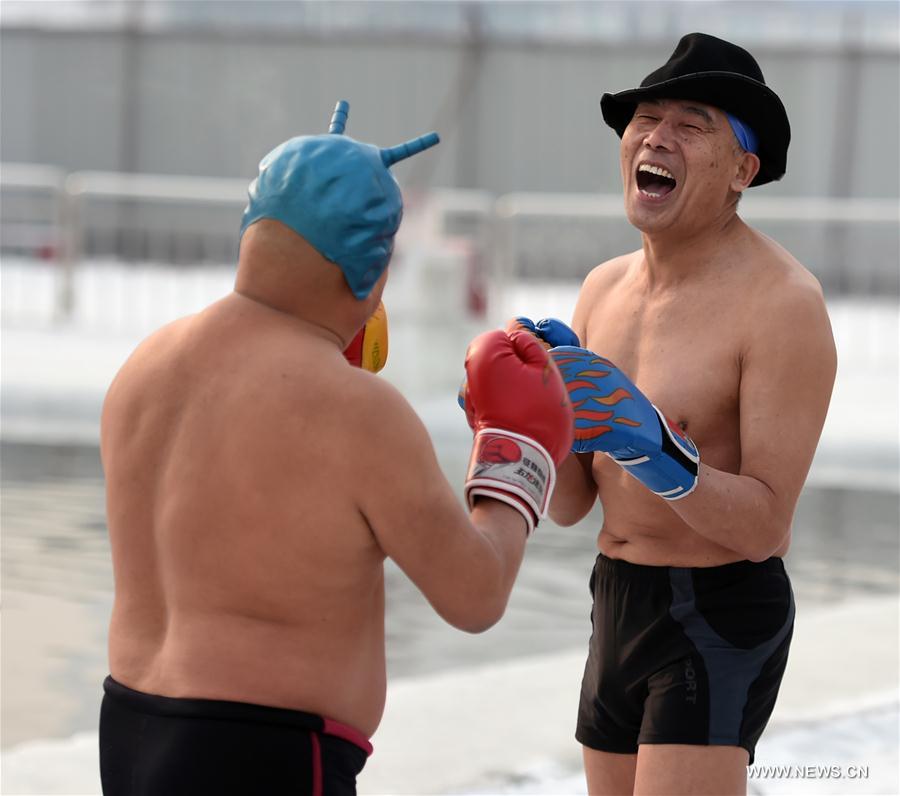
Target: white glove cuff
513,468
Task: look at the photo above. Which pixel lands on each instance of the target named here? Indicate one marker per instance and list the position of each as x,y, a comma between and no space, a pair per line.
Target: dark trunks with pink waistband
151,745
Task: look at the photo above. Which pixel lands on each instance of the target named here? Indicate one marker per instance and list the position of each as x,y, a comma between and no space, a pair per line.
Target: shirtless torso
208,438
256,482
686,348
729,336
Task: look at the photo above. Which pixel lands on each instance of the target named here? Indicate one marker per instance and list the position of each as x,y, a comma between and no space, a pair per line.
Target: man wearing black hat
727,335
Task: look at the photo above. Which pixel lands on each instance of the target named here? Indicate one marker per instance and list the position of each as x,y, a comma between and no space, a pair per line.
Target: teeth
658,170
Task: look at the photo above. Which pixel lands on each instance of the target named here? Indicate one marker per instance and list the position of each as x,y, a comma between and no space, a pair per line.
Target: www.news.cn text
821,771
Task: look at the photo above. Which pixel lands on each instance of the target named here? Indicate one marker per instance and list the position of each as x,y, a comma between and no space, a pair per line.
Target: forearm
575,491
491,571
736,511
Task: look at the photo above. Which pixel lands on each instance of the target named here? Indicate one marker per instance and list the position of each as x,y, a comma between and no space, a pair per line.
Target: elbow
767,528
478,616
487,612
476,625
762,546
565,518
569,512
576,491
759,555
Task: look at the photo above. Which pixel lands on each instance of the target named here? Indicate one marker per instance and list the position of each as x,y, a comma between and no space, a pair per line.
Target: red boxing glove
519,408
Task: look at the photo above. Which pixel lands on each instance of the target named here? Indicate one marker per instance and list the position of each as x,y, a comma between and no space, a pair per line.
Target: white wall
513,115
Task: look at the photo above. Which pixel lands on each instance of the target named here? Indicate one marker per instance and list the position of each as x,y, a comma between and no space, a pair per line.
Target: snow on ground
504,728
853,753
55,372
508,727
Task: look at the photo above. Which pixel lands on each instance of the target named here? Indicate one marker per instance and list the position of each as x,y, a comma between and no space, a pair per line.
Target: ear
747,169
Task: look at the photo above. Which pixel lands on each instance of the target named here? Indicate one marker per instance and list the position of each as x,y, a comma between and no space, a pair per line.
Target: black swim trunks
684,655
153,745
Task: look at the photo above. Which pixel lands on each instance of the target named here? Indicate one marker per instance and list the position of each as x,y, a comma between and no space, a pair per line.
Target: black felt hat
715,72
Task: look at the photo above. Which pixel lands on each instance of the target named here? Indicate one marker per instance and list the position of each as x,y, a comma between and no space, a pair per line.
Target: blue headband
745,136
338,194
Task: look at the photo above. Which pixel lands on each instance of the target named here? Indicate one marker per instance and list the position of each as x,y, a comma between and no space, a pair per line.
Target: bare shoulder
397,476
784,290
390,424
599,283
609,273
786,306
152,352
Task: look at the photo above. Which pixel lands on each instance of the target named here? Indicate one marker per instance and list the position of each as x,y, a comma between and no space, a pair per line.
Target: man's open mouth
654,181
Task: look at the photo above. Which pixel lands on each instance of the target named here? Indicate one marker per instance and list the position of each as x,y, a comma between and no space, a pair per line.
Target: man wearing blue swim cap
699,393
256,482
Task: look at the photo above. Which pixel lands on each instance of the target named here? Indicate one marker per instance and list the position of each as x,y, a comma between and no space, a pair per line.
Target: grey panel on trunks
730,670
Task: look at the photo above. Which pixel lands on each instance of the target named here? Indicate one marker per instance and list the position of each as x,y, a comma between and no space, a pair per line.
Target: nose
660,136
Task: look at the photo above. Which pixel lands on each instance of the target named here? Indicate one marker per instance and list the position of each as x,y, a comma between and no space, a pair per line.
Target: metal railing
852,245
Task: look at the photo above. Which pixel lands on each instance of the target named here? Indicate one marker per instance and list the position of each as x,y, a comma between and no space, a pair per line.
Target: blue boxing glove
614,417
550,331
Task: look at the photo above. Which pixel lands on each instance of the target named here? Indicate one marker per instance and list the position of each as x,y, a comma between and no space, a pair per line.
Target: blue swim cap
339,195
744,134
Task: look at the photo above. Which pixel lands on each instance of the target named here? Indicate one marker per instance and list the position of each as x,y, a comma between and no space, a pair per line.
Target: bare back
244,568
687,348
